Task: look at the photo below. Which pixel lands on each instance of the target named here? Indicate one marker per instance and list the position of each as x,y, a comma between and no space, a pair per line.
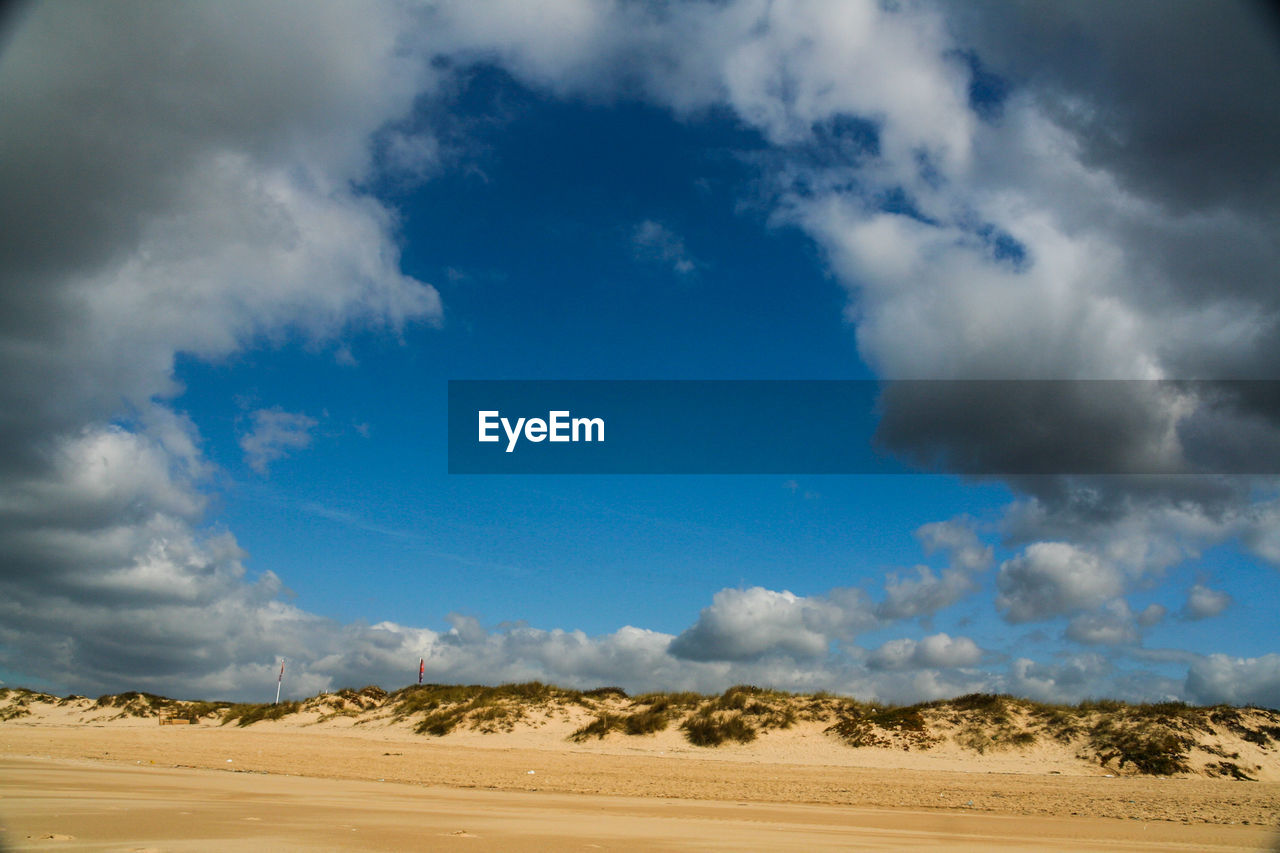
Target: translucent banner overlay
974,427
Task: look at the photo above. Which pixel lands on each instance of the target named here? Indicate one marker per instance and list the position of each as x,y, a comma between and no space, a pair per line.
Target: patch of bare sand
80,805
503,762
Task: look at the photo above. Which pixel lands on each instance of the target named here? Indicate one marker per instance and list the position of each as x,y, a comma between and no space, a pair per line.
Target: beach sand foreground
136,786
84,805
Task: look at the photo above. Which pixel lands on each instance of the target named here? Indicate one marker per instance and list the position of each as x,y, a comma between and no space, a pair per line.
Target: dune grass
248,714
1160,738
445,707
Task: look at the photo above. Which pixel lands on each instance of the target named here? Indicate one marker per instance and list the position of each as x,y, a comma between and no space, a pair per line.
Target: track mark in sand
459,833
56,836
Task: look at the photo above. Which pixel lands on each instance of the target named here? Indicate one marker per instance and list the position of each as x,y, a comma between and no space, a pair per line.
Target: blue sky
241,283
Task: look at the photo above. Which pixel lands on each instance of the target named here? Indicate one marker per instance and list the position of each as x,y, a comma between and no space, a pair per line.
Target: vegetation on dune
883,727
739,714
671,704
1149,746
347,702
597,728
987,722
136,703
709,728
18,700
766,709
15,709
643,722
248,714
1154,738
485,709
197,711
1161,738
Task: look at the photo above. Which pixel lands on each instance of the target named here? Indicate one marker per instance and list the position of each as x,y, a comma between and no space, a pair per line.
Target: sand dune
539,768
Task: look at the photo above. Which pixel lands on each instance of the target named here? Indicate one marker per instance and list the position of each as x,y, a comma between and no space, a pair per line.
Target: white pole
279,681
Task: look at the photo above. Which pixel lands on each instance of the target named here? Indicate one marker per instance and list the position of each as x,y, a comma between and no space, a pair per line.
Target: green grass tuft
709,729
247,715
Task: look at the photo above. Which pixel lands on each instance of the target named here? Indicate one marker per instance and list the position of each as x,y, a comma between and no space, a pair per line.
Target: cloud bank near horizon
195,186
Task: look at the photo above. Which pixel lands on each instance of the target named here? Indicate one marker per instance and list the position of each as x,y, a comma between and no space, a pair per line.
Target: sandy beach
70,804
73,777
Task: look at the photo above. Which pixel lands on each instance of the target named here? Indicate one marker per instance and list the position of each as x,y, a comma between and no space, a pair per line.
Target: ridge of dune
976,733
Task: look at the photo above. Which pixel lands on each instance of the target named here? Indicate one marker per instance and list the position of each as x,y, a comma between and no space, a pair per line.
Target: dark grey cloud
1131,166
182,179
1031,427
1176,99
1098,457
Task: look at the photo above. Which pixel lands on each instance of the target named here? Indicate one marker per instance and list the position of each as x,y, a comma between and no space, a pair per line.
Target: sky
247,245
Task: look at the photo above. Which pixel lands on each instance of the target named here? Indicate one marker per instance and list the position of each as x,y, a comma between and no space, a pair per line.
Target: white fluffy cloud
748,624
930,591
1237,681
1051,578
938,650
1059,682
1204,603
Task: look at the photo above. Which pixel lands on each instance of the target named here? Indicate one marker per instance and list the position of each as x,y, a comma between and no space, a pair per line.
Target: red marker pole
279,681
422,667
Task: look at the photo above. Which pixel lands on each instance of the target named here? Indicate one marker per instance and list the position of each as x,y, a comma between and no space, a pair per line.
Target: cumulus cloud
107,578
748,624
1059,682
1151,615
273,435
1113,624
1205,603
1051,578
959,541
924,594
204,203
929,591
188,178
1045,245
938,650
632,658
1224,679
